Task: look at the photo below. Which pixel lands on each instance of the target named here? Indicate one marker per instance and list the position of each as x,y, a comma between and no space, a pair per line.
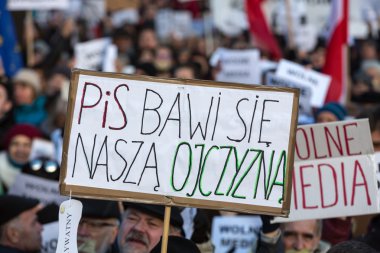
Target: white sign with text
317,82
29,5
238,234
172,139
334,171
89,55
239,66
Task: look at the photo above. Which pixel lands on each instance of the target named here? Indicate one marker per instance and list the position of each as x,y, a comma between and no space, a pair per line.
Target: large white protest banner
239,66
90,55
317,82
45,190
166,141
334,171
305,92
24,5
238,234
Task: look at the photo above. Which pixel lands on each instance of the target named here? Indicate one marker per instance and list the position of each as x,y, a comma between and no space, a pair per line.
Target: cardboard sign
305,92
28,5
166,141
89,55
45,190
317,82
165,19
334,171
238,234
239,66
116,5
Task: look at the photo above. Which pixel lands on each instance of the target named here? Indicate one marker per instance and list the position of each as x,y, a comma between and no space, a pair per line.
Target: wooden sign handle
165,234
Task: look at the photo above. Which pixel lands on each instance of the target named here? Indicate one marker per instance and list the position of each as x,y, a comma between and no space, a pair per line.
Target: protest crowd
167,39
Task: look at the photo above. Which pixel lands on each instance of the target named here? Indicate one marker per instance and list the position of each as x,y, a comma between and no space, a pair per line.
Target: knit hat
29,77
21,129
12,206
335,109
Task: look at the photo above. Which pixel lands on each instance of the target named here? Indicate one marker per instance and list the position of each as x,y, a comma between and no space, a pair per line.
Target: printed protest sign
240,233
45,190
89,55
167,141
334,171
49,237
165,19
318,83
305,92
239,66
25,5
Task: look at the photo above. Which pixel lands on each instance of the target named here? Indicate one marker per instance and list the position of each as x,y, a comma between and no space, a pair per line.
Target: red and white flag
259,28
336,58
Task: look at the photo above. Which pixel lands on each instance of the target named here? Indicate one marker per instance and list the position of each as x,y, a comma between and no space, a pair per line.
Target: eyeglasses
49,166
96,225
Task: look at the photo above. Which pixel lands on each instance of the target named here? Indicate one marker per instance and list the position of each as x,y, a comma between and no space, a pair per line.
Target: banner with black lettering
179,142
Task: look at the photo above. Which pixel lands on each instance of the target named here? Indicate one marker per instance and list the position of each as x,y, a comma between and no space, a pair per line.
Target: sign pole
29,38
165,234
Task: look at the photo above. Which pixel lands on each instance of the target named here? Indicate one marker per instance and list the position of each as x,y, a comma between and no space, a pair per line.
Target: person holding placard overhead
142,227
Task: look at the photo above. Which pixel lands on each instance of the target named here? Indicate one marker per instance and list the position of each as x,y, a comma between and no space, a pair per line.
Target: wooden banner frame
121,195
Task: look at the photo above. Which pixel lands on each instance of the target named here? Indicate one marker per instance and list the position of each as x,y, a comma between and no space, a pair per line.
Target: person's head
19,226
368,50
147,39
331,112
27,86
185,71
142,227
57,79
163,59
351,247
5,97
18,142
301,235
98,226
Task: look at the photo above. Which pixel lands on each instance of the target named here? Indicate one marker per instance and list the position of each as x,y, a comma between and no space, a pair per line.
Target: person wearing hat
19,226
98,227
18,145
331,112
29,104
142,227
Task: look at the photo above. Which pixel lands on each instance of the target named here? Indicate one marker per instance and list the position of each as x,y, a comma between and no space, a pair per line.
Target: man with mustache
98,226
292,237
142,227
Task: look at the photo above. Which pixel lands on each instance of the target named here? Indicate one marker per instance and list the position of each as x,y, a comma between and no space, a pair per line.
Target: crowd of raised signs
33,104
